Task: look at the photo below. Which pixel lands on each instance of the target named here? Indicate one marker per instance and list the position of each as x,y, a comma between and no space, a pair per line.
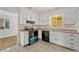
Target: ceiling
10,9
41,10
38,10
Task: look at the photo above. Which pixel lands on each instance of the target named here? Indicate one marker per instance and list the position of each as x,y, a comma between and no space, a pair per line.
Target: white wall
70,16
14,24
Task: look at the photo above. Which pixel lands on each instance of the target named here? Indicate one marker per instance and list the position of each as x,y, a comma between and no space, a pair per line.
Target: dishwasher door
45,36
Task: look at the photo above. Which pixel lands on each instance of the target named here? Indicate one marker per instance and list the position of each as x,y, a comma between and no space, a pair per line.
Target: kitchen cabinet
60,39
24,38
57,38
68,40
52,36
72,41
39,34
24,18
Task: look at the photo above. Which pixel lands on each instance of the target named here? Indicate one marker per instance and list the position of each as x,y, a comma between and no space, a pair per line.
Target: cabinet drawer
76,47
70,46
74,40
70,43
72,35
70,39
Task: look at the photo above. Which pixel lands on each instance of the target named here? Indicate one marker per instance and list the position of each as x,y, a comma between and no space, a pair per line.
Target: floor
7,42
40,46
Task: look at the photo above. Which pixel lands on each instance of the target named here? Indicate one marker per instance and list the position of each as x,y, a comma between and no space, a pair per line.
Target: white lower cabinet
72,41
76,46
57,38
60,40
39,34
69,40
52,36
24,38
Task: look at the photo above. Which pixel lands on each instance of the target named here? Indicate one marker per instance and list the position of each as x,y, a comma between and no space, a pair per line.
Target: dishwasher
45,36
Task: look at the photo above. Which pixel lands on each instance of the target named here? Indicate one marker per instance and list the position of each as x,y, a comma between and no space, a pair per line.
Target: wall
70,16
14,24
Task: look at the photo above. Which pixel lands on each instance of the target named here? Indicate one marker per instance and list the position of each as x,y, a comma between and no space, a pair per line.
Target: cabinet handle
72,35
71,47
71,43
71,39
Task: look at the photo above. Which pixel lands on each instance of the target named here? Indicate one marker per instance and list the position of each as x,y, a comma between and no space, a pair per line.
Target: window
4,23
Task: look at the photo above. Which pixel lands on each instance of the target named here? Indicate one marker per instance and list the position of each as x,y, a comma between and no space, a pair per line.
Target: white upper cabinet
24,18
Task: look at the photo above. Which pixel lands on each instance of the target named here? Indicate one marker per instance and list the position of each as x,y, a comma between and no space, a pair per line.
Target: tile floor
40,46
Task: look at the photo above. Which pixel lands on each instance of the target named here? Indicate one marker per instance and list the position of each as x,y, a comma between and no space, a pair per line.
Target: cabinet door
52,36
22,38
57,38
70,44
60,38
24,18
26,38
40,34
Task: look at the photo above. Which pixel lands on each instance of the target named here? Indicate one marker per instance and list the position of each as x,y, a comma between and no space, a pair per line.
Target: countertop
54,30
27,30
